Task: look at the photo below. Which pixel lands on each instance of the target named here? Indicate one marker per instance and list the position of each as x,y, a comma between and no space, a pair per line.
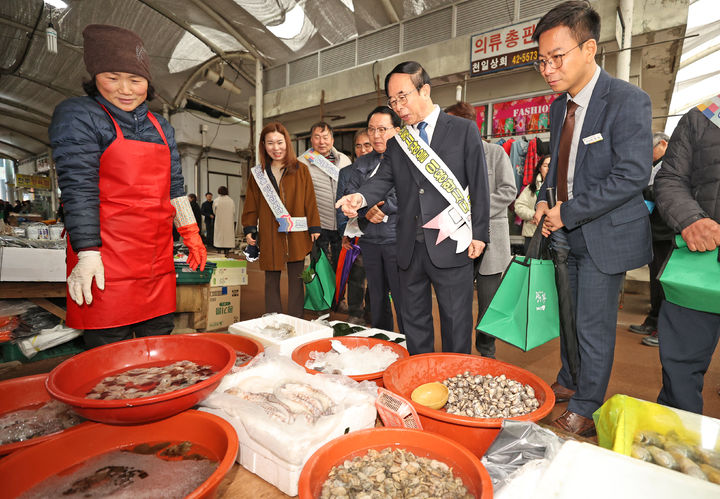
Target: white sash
324,164
287,223
455,221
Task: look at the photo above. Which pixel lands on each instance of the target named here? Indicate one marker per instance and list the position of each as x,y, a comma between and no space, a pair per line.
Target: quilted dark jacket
80,132
687,187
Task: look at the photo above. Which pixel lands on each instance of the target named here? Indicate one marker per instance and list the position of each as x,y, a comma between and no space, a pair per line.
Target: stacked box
223,307
229,272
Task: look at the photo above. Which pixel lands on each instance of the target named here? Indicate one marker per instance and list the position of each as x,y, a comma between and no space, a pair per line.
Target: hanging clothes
507,145
517,158
531,159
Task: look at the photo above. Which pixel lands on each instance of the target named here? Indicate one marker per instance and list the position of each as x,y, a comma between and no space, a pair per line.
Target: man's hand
346,243
476,248
553,221
540,210
79,281
702,235
350,204
375,214
314,236
250,239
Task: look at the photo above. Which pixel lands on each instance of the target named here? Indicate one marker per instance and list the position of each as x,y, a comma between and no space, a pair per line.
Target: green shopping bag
691,279
524,311
319,280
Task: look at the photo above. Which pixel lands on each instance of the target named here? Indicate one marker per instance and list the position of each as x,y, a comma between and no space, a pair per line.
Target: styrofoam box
365,333
275,470
305,331
32,264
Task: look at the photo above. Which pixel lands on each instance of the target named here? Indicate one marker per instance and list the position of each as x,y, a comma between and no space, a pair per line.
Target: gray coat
687,187
501,182
325,188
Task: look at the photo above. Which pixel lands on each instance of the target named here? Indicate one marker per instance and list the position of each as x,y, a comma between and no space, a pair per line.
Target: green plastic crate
10,351
184,275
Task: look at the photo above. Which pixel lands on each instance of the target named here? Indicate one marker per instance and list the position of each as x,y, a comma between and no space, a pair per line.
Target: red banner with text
518,117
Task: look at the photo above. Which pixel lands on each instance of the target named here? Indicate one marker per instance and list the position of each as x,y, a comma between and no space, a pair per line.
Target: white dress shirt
431,120
582,99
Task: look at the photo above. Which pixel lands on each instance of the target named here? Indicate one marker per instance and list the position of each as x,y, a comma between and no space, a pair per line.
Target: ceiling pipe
200,100
23,134
22,107
4,113
10,144
176,103
221,82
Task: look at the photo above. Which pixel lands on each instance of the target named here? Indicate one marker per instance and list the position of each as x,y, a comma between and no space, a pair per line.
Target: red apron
136,221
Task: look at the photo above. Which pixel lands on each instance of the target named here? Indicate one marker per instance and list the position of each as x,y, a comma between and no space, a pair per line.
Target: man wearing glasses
437,167
601,146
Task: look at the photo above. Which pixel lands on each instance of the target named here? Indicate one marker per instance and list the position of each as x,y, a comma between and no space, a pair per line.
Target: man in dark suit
601,145
422,258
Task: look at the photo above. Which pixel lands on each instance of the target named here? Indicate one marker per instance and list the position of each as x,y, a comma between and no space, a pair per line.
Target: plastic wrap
47,338
294,442
519,445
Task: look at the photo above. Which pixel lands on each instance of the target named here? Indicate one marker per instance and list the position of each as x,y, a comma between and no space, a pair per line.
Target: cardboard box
32,264
223,307
229,272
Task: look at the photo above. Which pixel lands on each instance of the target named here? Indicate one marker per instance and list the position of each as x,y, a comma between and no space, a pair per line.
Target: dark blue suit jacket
457,141
607,204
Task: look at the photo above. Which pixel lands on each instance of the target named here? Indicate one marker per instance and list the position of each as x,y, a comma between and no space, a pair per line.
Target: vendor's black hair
396,121
90,88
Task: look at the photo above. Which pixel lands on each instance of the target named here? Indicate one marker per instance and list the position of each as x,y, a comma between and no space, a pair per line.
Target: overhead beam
390,11
200,100
10,144
200,70
23,107
4,113
7,156
187,27
55,88
10,22
27,135
230,29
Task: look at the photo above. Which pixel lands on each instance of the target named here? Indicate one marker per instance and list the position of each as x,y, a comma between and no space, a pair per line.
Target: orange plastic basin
27,468
238,343
302,353
464,463
476,433
25,393
74,378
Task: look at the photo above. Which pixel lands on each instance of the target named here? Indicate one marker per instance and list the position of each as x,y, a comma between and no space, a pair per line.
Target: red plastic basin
27,468
238,343
476,433
464,464
302,353
74,378
25,393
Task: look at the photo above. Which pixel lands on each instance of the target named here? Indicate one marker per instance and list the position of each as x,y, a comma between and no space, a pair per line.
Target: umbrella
345,262
559,250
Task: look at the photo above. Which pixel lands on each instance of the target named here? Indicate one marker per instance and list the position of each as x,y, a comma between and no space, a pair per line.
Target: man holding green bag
687,193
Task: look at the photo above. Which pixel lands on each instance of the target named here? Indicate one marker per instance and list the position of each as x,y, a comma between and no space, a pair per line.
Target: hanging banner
505,48
32,181
517,117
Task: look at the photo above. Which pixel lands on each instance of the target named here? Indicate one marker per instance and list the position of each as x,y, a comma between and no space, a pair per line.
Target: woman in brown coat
290,180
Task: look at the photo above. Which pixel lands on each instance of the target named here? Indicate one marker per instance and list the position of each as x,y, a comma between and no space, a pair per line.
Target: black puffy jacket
687,187
80,132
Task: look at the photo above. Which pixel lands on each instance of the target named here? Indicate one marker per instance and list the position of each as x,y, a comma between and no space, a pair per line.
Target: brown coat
298,196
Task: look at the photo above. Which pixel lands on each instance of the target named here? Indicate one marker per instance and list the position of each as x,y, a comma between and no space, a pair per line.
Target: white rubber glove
80,279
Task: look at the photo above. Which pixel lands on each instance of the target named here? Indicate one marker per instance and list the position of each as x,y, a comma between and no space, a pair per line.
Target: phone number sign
504,48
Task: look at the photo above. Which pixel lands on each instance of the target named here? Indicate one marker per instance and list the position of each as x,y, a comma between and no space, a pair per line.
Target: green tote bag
691,279
319,279
524,310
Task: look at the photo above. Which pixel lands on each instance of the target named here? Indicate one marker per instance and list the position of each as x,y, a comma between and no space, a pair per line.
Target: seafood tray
282,331
274,444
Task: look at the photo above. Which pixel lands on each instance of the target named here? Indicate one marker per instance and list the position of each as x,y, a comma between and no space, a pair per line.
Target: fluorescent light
58,4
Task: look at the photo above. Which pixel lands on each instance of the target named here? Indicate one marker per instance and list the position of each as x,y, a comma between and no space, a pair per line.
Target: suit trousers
454,292
356,288
331,243
687,341
487,286
381,271
156,326
595,295
296,291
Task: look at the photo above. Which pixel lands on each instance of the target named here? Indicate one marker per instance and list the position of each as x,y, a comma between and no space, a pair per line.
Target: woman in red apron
122,189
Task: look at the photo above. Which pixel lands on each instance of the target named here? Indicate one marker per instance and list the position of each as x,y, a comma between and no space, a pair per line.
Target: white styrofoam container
366,333
32,264
591,472
305,331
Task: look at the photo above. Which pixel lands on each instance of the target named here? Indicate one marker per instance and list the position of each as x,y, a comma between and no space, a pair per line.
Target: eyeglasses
380,130
401,99
554,61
